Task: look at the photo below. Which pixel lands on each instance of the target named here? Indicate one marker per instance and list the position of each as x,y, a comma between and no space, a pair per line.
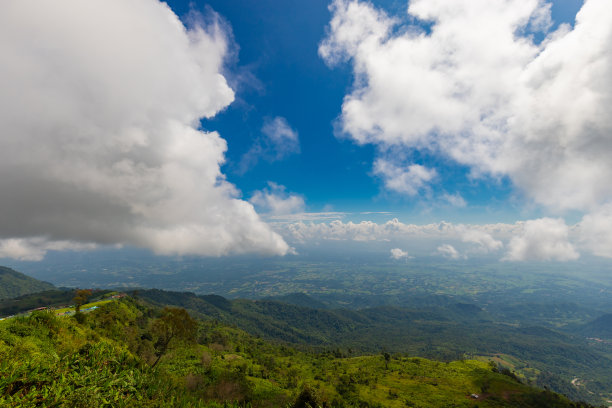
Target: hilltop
14,284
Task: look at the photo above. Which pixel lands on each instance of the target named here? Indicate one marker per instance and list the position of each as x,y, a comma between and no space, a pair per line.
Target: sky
221,128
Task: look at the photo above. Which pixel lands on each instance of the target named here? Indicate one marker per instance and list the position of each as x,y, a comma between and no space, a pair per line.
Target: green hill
108,358
547,357
14,284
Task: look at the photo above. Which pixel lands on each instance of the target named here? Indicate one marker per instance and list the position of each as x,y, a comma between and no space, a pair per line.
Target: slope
14,284
104,359
444,333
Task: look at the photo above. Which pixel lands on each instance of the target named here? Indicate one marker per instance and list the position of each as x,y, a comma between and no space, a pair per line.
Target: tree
306,399
174,324
387,357
81,297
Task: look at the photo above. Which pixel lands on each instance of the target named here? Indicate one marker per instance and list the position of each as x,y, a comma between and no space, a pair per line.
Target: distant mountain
600,327
14,284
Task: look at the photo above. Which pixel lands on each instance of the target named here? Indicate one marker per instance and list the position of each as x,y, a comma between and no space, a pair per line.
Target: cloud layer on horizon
543,239
99,132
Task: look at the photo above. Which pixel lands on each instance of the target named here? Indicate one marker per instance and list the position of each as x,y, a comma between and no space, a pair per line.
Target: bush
306,399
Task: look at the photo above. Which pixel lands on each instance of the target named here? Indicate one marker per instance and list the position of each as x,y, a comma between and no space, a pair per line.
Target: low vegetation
548,357
127,353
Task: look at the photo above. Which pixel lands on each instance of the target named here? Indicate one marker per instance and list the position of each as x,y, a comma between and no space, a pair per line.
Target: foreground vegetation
127,353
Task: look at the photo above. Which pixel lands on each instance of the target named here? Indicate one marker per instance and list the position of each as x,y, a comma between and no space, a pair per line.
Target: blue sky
276,45
220,128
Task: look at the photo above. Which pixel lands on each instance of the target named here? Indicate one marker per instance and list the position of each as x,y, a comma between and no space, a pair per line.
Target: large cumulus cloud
478,89
542,239
99,131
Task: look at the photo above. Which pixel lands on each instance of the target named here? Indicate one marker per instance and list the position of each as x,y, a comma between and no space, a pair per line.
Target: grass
85,306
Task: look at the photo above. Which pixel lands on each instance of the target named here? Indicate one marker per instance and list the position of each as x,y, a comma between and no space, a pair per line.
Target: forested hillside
547,357
129,354
14,284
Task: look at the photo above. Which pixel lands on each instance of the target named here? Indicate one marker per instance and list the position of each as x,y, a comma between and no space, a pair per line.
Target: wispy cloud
456,200
275,201
449,251
278,141
397,254
409,180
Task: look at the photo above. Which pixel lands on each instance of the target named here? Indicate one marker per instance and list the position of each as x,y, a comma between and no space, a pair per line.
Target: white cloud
395,230
448,251
484,241
282,219
278,142
334,230
99,137
539,239
595,234
35,249
406,180
275,201
543,239
397,254
284,139
477,91
456,200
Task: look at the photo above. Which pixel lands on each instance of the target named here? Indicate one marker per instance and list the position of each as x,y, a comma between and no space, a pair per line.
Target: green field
72,309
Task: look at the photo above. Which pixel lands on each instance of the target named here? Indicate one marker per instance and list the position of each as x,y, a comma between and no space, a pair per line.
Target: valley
542,340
